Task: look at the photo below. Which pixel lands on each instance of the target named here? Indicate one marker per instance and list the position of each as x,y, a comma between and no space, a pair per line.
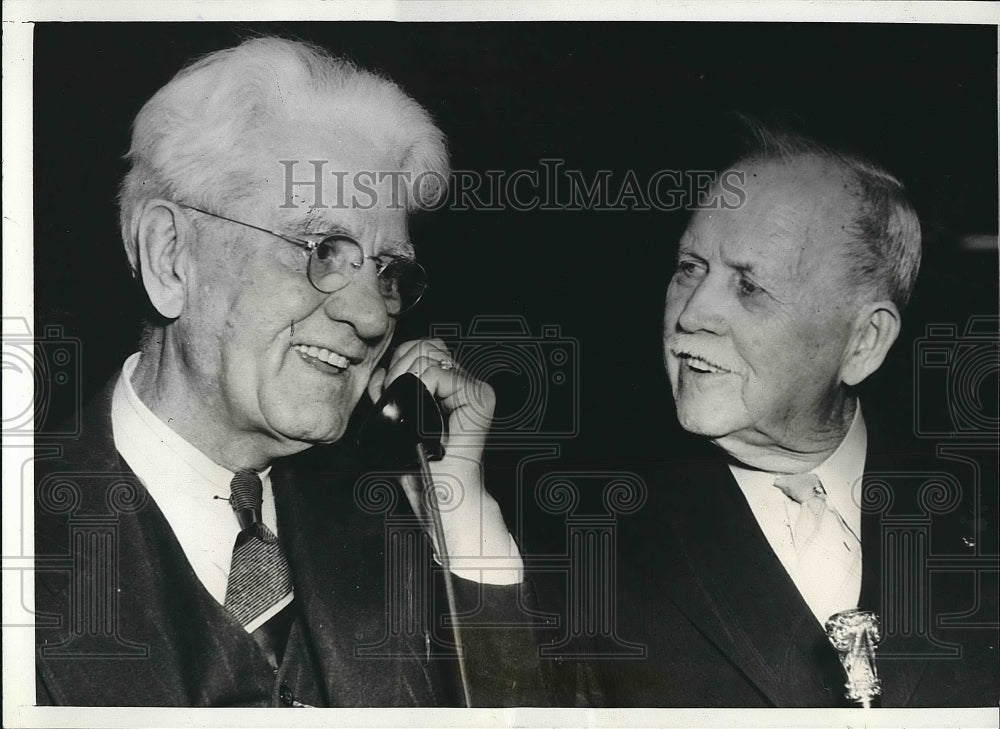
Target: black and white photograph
588,365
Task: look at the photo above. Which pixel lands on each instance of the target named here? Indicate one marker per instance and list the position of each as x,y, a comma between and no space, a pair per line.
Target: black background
921,100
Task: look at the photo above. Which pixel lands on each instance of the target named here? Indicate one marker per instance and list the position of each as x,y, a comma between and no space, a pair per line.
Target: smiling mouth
322,359
701,366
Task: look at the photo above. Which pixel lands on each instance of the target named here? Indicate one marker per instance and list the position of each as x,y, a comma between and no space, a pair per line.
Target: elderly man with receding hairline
777,519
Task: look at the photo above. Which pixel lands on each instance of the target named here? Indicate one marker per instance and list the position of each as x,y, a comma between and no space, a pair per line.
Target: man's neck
795,450
199,418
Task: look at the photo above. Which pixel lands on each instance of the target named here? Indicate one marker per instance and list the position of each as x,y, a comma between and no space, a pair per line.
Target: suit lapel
171,644
732,586
198,645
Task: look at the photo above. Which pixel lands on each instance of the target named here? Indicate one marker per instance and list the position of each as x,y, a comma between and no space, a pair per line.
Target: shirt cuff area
499,569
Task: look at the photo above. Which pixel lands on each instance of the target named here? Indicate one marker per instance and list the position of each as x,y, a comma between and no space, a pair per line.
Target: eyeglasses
335,260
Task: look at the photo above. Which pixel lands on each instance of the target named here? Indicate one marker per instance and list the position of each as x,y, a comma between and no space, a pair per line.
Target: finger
404,350
456,390
418,366
407,361
475,398
416,347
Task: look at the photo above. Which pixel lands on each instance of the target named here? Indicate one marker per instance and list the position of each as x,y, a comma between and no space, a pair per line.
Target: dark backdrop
919,99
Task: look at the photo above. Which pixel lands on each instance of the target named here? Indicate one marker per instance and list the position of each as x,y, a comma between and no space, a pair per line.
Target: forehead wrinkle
781,238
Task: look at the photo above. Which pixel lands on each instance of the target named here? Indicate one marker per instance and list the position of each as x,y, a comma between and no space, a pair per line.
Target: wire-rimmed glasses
334,261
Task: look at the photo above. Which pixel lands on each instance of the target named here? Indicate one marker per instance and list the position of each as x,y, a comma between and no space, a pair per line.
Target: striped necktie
260,582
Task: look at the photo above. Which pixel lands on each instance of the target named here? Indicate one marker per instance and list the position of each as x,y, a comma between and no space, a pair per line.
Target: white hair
196,139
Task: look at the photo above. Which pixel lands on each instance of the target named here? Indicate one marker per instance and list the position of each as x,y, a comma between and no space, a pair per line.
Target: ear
876,328
164,239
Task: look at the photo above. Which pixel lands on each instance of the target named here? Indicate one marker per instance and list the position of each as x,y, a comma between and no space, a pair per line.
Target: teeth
324,355
696,363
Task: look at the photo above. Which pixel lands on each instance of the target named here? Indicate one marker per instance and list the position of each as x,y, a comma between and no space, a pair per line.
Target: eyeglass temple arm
380,267
283,236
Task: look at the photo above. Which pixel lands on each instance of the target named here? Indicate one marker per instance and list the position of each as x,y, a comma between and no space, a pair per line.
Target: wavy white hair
195,140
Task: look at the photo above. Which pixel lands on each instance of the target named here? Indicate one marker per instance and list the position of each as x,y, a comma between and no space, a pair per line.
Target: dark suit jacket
725,626
122,620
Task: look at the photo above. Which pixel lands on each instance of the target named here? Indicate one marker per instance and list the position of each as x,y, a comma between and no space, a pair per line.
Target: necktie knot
246,490
802,488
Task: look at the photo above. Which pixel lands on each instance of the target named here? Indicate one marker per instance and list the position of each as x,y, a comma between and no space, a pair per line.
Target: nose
700,307
361,305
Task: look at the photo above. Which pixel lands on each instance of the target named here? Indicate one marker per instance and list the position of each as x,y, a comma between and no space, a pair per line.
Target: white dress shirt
776,515
192,491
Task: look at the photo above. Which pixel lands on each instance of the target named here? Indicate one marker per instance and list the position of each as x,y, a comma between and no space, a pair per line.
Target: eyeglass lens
336,260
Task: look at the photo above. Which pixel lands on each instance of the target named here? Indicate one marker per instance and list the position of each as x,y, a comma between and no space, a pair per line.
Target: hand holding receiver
479,545
431,418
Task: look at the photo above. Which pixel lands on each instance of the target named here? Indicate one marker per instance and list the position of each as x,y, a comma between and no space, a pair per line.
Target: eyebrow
320,227
685,249
741,267
397,249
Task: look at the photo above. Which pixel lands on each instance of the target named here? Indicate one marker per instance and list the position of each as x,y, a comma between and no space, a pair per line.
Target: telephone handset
404,432
405,418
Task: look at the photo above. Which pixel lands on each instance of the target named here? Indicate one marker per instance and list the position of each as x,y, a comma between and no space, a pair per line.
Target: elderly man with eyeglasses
183,559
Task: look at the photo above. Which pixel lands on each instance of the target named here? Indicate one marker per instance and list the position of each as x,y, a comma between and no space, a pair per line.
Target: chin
308,425
309,437
711,420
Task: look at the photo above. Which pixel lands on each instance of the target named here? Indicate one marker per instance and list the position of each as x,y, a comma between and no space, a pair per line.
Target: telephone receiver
406,420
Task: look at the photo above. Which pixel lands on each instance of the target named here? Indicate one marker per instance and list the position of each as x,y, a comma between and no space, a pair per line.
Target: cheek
255,334
773,357
221,288
787,365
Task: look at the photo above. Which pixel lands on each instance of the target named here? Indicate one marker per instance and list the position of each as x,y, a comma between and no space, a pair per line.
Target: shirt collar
840,474
190,489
